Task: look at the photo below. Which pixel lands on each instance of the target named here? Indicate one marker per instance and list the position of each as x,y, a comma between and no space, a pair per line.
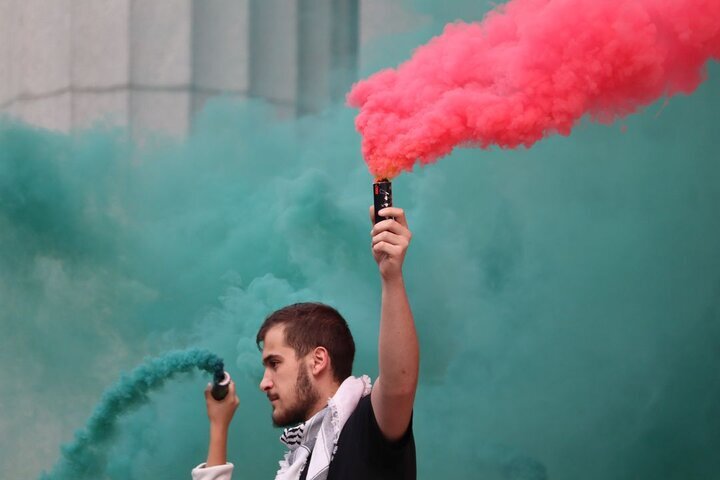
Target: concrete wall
149,64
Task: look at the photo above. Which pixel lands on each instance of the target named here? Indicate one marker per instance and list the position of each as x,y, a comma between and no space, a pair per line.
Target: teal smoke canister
221,382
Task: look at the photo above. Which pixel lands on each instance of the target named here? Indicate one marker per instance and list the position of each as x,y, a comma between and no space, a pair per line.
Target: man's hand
390,240
220,414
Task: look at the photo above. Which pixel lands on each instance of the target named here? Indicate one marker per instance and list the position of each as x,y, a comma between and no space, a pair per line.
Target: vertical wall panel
160,65
8,31
43,51
101,56
100,62
160,42
273,54
315,26
39,72
345,47
220,49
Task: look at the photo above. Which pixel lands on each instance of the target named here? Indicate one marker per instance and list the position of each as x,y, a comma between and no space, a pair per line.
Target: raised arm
220,414
398,352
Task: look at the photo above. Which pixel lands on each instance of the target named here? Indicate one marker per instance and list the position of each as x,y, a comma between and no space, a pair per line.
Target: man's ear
320,360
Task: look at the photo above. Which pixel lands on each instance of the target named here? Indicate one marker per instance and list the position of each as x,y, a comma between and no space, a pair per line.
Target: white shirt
218,472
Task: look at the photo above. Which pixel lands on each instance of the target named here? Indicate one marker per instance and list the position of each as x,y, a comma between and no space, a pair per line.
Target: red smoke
530,69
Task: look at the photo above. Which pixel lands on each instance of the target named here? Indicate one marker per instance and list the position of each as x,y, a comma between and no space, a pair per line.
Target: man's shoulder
363,452
359,418
364,405
362,428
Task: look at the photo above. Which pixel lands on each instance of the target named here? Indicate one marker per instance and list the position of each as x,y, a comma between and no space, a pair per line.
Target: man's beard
305,401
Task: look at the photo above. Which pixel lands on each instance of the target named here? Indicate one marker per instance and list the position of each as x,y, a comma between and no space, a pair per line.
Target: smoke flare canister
382,197
221,382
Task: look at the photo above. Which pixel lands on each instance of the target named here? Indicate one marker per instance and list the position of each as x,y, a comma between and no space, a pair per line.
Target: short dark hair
311,325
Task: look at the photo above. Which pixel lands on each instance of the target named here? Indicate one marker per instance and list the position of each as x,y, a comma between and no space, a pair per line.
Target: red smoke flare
530,69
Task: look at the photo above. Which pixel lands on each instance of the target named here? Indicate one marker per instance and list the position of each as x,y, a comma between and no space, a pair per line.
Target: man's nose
265,383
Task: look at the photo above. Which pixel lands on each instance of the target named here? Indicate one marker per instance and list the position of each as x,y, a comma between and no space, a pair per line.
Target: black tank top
364,454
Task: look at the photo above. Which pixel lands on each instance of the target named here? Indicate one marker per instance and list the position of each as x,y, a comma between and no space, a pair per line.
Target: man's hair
311,325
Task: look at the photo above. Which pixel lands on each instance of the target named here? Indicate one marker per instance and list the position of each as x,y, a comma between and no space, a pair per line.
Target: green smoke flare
86,457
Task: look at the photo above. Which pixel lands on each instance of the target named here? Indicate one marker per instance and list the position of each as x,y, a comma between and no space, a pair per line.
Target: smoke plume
530,69
86,457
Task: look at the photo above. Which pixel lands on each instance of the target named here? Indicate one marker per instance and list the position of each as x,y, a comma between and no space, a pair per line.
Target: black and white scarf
319,435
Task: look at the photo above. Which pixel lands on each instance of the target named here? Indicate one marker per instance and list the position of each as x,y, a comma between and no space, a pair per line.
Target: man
348,429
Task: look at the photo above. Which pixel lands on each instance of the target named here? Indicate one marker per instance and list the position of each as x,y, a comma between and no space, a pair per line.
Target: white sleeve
218,472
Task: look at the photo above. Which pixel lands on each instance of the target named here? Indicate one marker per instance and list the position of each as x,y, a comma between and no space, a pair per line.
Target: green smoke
567,297
86,456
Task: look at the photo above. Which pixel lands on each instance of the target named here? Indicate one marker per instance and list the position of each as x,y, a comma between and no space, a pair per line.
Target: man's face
286,381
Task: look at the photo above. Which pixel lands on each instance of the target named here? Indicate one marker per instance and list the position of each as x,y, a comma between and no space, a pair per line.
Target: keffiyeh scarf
319,435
